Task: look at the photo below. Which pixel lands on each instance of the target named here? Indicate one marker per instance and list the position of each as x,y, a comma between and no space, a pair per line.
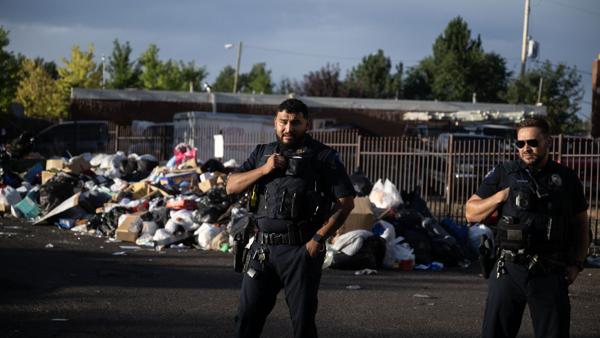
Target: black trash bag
212,206
22,145
361,183
369,256
404,218
59,188
213,165
146,165
107,222
93,199
128,168
160,216
413,200
444,247
420,242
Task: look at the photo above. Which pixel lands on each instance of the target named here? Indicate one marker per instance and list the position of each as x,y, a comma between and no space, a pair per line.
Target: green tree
371,78
258,80
152,68
324,82
9,72
39,94
50,67
224,81
417,84
192,75
561,94
169,77
123,72
287,86
460,67
81,71
397,83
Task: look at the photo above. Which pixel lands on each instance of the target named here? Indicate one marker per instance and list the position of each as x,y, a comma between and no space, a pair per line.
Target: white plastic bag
350,242
183,217
389,234
384,195
206,233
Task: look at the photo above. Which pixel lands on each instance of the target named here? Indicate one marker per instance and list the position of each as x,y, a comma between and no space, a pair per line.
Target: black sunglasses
532,143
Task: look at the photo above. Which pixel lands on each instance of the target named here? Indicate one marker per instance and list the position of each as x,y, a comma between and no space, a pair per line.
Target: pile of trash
127,198
392,229
184,203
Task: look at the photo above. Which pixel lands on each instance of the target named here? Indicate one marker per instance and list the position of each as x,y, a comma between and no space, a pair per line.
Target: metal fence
156,141
444,171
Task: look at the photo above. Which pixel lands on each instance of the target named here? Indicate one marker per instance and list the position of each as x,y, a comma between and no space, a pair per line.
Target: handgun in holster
487,256
240,240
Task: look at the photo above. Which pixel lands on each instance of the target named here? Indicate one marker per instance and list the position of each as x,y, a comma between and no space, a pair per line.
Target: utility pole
103,72
237,67
595,132
525,34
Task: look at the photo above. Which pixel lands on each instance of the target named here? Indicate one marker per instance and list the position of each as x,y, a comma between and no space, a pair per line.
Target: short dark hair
537,122
294,106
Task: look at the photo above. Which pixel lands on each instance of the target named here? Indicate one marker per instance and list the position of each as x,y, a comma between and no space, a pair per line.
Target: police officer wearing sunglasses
300,194
542,236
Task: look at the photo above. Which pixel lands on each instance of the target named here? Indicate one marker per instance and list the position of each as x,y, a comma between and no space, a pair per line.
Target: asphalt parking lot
54,283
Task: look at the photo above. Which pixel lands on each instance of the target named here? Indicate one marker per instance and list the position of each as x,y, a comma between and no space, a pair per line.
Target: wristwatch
318,238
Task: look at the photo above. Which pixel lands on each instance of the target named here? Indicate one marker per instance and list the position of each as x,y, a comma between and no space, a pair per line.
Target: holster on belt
240,240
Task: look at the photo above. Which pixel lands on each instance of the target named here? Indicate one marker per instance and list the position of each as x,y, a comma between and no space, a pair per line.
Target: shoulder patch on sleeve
490,173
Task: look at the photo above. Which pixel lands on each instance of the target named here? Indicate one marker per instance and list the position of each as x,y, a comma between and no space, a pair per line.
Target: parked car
471,156
72,138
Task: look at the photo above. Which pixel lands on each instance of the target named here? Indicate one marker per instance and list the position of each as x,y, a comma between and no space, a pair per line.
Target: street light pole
103,72
237,67
525,34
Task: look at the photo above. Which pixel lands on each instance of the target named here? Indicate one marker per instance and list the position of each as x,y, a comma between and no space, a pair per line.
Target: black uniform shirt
335,177
568,183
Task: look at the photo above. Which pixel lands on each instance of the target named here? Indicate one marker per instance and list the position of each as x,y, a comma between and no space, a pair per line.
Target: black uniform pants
289,267
546,295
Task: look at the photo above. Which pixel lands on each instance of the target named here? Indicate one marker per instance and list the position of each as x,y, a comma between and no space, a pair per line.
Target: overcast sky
295,37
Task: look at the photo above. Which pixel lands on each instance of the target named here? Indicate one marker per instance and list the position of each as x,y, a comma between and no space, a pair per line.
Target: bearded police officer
300,195
541,236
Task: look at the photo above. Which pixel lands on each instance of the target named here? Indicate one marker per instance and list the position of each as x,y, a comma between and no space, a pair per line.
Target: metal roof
311,101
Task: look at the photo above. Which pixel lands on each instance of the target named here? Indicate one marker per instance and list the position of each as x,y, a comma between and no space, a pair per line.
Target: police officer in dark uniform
300,195
542,236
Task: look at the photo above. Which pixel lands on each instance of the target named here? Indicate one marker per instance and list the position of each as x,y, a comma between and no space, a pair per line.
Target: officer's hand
313,247
572,273
273,162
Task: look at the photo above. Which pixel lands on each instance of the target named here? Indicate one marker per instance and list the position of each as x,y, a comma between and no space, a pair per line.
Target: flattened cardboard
57,164
67,204
361,217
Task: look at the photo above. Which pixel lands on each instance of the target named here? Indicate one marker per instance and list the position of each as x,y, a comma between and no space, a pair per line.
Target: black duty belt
275,238
514,257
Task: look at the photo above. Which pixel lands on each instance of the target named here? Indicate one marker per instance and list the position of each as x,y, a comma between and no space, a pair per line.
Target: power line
320,56
283,51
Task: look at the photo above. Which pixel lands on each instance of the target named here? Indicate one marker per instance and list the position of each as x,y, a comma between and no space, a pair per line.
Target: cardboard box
57,164
206,185
173,180
138,189
361,217
65,206
129,227
47,175
78,164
